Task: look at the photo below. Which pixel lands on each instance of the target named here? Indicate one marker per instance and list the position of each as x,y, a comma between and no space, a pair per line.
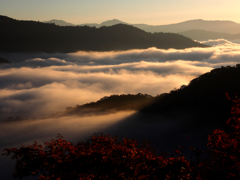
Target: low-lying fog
161,132
37,85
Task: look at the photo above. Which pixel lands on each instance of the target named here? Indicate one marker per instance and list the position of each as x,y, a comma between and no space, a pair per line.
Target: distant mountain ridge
105,23
32,36
112,22
217,26
59,22
202,35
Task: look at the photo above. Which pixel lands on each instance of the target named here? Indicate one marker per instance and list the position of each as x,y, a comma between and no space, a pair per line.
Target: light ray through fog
42,84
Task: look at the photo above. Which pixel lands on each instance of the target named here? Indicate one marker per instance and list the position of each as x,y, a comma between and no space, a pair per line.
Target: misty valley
114,79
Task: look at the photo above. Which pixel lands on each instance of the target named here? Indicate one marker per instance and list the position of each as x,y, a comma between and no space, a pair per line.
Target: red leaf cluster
224,148
100,158
103,157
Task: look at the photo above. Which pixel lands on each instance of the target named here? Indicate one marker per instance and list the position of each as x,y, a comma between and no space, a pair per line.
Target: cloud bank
161,131
37,85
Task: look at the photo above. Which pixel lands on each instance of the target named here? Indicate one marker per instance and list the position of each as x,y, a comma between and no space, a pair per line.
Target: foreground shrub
224,148
103,157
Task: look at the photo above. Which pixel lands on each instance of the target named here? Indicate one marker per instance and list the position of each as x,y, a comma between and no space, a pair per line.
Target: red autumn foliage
224,148
103,157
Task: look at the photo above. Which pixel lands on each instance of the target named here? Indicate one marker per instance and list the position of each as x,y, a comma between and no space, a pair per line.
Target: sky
153,12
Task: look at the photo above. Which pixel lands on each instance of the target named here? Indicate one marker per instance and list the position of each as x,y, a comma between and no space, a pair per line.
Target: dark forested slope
204,97
2,60
31,36
111,104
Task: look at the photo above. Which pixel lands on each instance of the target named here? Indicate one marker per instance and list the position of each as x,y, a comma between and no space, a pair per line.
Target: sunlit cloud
223,43
46,90
45,129
41,84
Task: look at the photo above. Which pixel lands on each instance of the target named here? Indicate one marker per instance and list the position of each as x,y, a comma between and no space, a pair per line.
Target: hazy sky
155,12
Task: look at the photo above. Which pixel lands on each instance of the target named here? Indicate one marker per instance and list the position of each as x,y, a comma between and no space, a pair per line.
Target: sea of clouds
40,84
37,85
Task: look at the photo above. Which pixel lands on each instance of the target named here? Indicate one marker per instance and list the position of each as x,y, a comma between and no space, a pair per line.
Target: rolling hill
59,22
105,23
202,35
111,104
215,26
32,36
198,29
229,27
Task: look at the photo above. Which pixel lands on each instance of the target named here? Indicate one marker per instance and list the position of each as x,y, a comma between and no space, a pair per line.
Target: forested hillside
205,96
32,36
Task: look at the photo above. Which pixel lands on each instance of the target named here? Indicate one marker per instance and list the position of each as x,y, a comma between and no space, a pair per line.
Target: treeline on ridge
110,104
32,36
204,96
2,60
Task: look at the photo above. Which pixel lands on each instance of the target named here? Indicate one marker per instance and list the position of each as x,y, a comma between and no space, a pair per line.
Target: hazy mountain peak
52,20
19,36
112,22
59,22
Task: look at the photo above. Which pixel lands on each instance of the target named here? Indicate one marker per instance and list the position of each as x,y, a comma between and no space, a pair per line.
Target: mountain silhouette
216,26
202,35
59,22
105,23
112,22
32,36
205,97
111,104
233,37
91,25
